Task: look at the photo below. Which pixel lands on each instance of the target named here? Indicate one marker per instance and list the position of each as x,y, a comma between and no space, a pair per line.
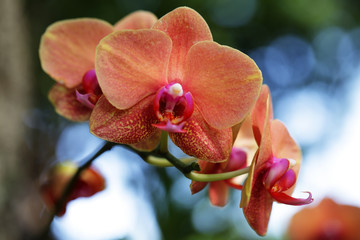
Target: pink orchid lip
172,107
279,178
90,90
286,199
90,83
277,169
84,99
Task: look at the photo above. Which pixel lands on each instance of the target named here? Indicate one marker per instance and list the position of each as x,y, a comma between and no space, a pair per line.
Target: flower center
172,107
89,92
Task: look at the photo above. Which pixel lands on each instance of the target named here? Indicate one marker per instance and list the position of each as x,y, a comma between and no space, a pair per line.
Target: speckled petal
136,20
223,81
65,103
131,65
129,126
67,48
203,141
148,144
255,199
185,27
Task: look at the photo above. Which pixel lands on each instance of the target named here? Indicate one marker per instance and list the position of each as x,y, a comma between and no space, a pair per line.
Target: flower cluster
146,76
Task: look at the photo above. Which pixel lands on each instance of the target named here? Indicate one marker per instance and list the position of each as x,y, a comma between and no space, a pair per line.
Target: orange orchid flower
326,221
274,169
89,183
173,77
67,54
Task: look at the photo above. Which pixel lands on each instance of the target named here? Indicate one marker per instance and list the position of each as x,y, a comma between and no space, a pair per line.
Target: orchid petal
258,209
148,144
65,103
245,139
255,199
219,76
129,126
203,141
261,157
284,198
185,27
196,187
136,20
262,107
218,193
284,146
67,48
131,65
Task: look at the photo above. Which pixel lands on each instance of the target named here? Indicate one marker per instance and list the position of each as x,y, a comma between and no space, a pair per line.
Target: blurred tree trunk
18,220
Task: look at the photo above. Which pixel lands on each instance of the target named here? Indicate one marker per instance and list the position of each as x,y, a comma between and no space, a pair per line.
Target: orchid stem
201,177
163,162
164,142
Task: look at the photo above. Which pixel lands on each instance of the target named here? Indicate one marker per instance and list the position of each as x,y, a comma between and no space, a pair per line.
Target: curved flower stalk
219,190
89,182
327,220
67,54
173,77
274,169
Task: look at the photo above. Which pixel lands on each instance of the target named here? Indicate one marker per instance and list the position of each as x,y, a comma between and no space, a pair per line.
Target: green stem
181,166
164,142
163,162
201,177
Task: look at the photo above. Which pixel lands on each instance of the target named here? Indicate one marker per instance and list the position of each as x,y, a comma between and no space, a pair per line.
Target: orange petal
185,28
257,211
148,144
203,141
224,82
67,48
255,199
131,64
262,107
218,193
284,146
136,20
196,187
327,220
65,103
123,126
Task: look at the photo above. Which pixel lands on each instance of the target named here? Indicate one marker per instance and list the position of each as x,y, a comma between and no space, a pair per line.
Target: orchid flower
52,188
174,78
274,169
67,54
219,190
328,220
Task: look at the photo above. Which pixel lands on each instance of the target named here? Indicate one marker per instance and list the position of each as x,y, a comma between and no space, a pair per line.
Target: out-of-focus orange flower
58,177
326,221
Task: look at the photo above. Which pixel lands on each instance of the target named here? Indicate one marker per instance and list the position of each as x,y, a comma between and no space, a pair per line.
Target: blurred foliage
270,20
